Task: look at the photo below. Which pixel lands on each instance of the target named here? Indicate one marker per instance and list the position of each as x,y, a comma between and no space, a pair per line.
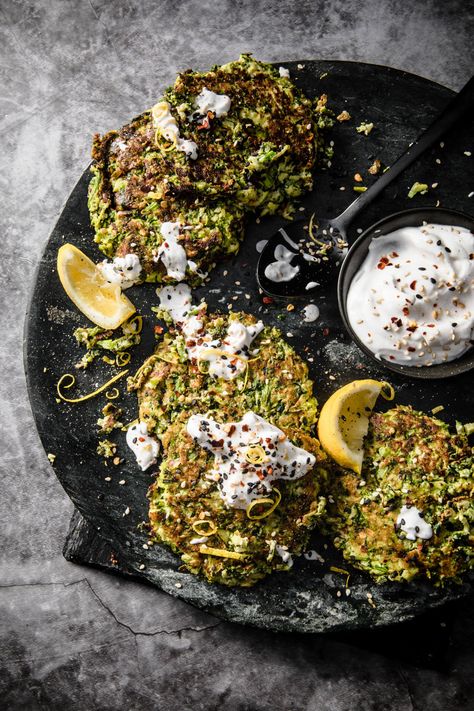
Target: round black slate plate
310,598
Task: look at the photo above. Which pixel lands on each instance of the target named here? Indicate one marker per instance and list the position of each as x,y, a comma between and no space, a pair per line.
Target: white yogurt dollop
281,269
227,357
207,100
284,72
171,252
412,299
410,520
144,447
250,456
122,270
310,313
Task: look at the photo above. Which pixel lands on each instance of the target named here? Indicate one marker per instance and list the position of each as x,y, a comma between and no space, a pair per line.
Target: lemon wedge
344,420
102,302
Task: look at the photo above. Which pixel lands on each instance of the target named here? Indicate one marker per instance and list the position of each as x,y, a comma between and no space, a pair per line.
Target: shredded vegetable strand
255,454
122,359
112,394
197,525
311,233
342,572
136,320
71,381
387,392
263,502
221,553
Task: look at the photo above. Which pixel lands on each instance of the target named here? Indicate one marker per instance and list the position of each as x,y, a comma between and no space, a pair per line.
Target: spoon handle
460,105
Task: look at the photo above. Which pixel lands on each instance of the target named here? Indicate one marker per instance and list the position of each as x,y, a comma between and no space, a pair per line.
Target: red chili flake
158,329
406,310
430,325
217,442
141,439
245,428
396,320
413,285
394,254
411,349
384,262
412,329
267,300
231,430
270,470
260,475
325,331
205,124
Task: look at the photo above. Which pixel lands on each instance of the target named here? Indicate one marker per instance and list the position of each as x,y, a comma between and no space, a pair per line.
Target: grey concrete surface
76,638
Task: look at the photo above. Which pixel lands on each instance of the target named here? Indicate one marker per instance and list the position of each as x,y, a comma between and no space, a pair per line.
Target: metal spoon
330,234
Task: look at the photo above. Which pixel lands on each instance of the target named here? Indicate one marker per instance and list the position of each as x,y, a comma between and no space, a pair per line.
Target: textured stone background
79,639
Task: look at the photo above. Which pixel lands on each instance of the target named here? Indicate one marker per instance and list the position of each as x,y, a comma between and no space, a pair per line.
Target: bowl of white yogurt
406,292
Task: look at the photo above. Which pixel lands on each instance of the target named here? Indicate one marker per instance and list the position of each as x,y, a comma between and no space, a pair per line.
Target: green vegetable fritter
258,156
275,386
411,459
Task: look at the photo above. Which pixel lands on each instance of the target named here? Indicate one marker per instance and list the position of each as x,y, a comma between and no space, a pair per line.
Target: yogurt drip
236,445
228,357
144,447
171,252
122,270
412,300
410,520
281,269
165,123
177,300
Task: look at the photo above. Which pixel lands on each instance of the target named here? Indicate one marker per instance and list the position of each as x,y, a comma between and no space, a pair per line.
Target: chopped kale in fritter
257,156
98,341
411,460
275,386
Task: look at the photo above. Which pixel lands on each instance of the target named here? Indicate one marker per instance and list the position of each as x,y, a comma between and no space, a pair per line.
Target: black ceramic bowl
357,254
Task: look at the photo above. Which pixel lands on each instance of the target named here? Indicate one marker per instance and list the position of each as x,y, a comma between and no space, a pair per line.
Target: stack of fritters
257,157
